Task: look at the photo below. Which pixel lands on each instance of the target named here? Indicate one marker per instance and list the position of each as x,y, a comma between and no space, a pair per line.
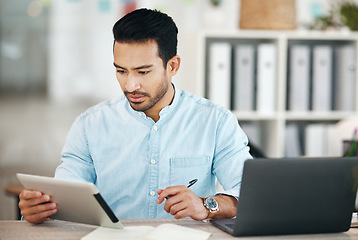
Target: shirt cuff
228,193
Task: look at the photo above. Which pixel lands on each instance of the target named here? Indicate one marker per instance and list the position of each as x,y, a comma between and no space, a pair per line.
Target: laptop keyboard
230,225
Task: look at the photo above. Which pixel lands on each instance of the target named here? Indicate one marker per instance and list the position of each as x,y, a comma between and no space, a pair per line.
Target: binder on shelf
322,78
317,137
244,78
315,144
293,145
299,78
253,132
266,77
345,76
220,73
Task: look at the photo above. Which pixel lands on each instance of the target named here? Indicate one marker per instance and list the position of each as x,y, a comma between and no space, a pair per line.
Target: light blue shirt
129,157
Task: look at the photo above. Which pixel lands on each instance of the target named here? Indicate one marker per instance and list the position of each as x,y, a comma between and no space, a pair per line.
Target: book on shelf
299,78
345,78
266,77
244,78
220,73
322,78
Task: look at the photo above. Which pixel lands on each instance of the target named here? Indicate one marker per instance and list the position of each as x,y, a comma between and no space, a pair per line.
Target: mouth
135,98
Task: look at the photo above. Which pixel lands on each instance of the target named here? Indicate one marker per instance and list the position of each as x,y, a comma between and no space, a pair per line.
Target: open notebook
161,232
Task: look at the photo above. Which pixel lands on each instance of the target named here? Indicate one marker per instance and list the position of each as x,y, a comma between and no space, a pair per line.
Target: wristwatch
212,205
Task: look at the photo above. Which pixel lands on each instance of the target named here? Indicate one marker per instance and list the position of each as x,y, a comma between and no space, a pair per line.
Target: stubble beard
142,106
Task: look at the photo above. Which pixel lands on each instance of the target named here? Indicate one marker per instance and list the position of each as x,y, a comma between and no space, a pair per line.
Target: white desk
22,230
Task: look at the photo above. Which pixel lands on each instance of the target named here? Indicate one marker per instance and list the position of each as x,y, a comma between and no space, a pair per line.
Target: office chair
255,151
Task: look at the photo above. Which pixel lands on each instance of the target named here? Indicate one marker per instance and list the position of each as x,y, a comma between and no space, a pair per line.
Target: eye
120,71
143,72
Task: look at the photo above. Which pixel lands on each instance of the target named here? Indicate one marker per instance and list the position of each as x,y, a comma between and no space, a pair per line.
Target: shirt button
152,193
155,128
153,161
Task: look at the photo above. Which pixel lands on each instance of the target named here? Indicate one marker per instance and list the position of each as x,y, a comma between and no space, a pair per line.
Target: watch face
211,203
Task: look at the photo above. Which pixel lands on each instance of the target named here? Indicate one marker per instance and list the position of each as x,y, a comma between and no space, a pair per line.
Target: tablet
76,201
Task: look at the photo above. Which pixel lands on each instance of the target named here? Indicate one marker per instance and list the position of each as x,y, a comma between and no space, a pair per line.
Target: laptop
294,196
76,201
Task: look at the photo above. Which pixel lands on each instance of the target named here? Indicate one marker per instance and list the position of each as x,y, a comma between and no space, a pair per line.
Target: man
143,148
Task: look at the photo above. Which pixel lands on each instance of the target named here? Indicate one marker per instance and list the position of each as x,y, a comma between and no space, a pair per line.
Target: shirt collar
169,108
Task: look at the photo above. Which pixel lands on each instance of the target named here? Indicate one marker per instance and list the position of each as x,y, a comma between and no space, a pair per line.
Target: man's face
141,74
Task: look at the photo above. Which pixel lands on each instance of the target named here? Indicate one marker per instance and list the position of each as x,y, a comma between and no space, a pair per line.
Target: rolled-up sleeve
231,152
76,161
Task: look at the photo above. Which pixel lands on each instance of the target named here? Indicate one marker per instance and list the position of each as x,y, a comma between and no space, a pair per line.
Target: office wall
65,48
80,41
23,61
80,50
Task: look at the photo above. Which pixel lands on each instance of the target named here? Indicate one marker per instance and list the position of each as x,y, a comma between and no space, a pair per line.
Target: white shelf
318,116
274,123
255,116
266,34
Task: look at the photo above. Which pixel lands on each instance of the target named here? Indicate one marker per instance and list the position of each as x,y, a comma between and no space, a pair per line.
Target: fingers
39,213
159,191
178,210
29,194
186,205
170,192
182,203
172,201
31,198
35,206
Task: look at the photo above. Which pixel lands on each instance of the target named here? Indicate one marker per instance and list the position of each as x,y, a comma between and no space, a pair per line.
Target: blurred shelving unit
272,125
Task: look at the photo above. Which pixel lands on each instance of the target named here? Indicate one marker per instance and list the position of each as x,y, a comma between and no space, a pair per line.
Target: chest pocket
183,170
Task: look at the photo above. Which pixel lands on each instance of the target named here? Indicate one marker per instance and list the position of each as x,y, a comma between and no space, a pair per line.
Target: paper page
354,222
175,232
130,233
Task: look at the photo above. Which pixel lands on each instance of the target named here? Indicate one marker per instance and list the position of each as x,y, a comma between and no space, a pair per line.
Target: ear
173,65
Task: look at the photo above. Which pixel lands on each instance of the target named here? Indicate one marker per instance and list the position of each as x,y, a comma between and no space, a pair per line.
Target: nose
133,83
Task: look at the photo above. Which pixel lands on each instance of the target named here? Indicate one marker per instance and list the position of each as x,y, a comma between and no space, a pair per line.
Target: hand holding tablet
69,198
36,206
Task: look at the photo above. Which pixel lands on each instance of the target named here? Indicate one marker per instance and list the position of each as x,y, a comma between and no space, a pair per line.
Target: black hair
143,25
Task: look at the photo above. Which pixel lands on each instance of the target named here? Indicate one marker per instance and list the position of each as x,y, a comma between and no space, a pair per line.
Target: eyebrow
136,68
